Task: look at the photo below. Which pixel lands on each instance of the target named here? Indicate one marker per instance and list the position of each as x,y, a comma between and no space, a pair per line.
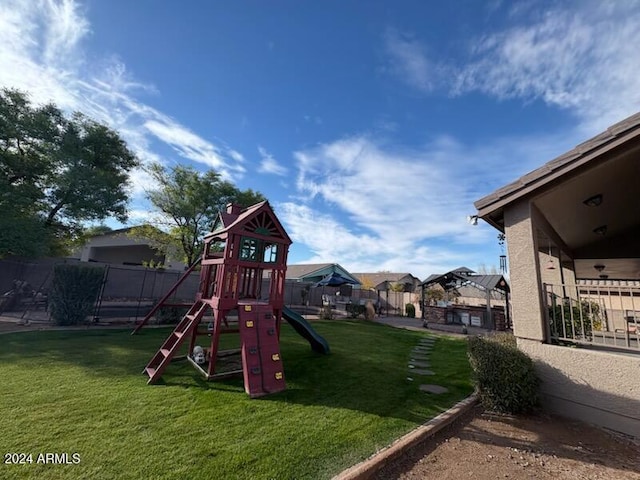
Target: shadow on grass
102,352
366,371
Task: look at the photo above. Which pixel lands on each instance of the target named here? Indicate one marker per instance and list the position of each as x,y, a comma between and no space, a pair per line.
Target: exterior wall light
594,201
601,230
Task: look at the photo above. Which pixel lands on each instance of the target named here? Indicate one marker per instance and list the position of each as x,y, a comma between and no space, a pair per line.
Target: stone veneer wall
435,314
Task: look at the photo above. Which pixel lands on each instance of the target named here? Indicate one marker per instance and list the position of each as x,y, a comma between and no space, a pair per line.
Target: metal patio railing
604,314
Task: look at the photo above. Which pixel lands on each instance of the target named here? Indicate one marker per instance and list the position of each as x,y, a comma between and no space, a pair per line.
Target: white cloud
582,57
404,210
584,60
331,241
42,53
269,164
408,60
63,31
191,146
140,215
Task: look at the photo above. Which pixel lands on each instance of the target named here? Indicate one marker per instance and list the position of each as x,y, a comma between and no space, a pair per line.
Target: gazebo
486,316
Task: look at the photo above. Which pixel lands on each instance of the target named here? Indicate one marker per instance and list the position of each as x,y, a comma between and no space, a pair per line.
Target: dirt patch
487,446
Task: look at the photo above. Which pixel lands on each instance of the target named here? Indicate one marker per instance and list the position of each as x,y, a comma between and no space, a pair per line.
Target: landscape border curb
366,468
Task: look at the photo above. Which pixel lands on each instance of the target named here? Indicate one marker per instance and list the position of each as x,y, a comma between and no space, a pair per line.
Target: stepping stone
422,371
419,358
410,379
435,389
428,341
424,355
419,364
421,351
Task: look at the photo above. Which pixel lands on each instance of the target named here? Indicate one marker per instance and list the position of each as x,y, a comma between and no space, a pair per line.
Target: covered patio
572,229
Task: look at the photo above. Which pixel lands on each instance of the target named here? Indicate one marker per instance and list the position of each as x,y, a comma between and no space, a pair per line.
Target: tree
366,283
484,270
396,287
55,173
433,294
188,203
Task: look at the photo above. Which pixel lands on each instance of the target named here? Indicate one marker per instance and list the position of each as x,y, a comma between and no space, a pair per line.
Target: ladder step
163,356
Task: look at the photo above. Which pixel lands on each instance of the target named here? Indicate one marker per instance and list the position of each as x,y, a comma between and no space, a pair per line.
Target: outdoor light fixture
601,230
472,219
594,201
550,264
599,267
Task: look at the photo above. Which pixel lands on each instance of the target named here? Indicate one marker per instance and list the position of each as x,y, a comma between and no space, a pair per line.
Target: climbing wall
261,362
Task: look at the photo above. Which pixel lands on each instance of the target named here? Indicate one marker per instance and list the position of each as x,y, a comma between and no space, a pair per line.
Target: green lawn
83,392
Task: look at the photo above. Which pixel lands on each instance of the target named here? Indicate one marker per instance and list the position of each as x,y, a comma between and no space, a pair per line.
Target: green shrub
579,319
355,309
326,313
410,309
73,293
504,376
170,315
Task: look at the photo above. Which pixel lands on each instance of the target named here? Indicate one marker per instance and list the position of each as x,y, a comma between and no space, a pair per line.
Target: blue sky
371,127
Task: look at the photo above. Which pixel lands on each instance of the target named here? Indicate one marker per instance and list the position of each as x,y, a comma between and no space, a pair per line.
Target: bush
170,315
579,319
410,309
369,311
504,376
73,293
326,313
355,309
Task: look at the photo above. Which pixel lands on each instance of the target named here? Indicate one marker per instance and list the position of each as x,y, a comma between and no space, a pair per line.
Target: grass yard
83,392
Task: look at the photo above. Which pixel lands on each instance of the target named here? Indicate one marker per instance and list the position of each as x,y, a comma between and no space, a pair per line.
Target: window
270,254
249,249
254,250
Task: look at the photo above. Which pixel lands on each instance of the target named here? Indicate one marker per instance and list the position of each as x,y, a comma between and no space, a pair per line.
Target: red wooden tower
243,245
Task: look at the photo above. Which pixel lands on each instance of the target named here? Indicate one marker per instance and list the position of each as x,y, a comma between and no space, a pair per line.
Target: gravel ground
488,446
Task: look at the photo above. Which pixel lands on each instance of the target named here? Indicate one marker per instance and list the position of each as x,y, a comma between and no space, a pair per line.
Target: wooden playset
245,243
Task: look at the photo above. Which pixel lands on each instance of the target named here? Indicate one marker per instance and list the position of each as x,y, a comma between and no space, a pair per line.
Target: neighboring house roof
304,270
383,280
122,233
313,272
431,277
472,291
463,270
116,232
586,152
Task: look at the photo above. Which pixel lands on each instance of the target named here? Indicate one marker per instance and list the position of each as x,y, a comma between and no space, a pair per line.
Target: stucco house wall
547,215
592,386
118,248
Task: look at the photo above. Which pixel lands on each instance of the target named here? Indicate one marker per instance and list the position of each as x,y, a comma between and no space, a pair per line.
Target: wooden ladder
163,357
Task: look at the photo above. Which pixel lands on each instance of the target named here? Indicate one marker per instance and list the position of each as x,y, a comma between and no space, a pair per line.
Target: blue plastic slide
304,329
